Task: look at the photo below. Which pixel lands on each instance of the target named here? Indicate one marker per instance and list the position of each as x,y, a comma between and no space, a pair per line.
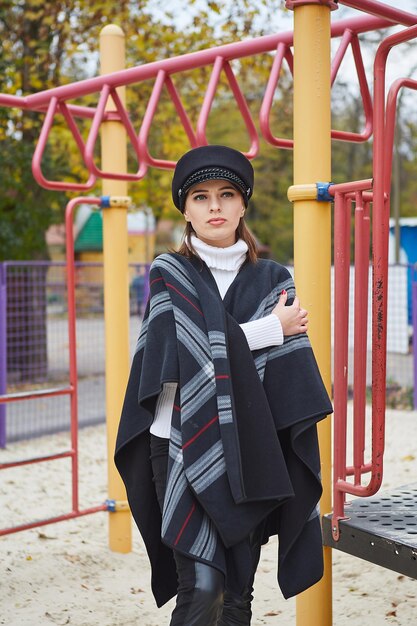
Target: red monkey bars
58,100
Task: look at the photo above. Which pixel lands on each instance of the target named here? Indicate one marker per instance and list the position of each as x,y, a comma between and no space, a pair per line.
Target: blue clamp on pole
115,202
323,192
111,505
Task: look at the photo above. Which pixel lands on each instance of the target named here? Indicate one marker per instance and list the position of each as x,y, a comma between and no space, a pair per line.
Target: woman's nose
214,204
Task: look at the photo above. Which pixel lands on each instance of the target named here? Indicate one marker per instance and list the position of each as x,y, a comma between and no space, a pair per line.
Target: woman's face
214,209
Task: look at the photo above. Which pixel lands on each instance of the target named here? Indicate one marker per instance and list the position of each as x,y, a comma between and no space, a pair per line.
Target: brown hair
242,232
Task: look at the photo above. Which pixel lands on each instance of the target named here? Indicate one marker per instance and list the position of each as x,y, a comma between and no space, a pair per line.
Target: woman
217,443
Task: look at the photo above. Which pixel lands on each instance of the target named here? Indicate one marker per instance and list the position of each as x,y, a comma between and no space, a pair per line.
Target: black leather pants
201,598
237,610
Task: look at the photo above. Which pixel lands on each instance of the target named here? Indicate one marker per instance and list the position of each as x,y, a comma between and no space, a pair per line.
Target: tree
44,43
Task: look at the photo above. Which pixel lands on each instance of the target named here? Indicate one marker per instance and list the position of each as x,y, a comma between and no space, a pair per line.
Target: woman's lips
218,221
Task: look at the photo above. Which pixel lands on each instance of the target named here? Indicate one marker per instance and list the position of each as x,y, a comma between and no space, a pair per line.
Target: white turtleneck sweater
224,264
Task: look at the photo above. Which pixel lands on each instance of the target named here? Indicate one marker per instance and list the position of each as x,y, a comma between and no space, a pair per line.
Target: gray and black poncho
243,447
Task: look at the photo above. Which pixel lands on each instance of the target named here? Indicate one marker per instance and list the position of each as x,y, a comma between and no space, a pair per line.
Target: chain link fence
34,345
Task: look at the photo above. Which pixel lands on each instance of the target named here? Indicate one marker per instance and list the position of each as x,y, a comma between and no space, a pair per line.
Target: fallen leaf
55,619
391,614
272,613
408,457
43,536
28,557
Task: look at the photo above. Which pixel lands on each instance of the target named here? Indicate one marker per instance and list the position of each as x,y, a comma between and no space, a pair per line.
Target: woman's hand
293,318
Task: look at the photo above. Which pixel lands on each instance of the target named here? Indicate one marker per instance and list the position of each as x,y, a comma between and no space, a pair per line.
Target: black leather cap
211,163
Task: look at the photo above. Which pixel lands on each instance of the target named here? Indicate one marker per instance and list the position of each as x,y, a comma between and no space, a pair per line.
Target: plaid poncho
243,447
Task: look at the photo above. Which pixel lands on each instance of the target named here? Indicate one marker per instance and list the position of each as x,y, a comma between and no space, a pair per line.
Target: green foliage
26,210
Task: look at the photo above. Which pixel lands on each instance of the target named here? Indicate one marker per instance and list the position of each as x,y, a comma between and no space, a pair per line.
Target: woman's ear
187,219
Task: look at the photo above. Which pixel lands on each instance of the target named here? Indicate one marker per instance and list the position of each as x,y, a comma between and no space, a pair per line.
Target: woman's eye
200,196
227,194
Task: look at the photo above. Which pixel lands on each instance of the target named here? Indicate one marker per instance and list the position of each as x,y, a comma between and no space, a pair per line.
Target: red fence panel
70,390
357,194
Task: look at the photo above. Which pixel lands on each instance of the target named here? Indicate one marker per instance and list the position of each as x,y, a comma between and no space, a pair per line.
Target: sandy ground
65,573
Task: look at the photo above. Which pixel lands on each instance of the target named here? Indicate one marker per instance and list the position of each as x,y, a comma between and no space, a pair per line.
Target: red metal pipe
208,99
378,9
350,187
341,326
186,122
362,250
265,111
148,117
145,156
390,121
245,112
365,469
36,393
38,459
70,269
20,102
340,53
123,117
53,520
40,149
351,38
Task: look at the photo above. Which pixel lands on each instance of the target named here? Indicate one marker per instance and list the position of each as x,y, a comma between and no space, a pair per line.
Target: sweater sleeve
161,426
264,332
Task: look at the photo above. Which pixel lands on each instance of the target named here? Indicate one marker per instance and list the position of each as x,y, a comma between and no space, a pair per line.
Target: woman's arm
271,329
264,332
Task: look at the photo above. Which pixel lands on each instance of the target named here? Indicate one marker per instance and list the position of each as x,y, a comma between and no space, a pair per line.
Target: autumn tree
46,43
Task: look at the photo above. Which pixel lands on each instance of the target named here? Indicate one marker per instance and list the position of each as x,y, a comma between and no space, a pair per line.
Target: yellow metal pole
312,238
116,298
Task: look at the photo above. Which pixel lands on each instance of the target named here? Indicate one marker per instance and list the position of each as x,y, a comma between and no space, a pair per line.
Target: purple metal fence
414,313
3,353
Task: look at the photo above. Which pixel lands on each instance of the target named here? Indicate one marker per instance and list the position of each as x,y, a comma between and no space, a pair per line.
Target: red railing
70,390
358,194
57,101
